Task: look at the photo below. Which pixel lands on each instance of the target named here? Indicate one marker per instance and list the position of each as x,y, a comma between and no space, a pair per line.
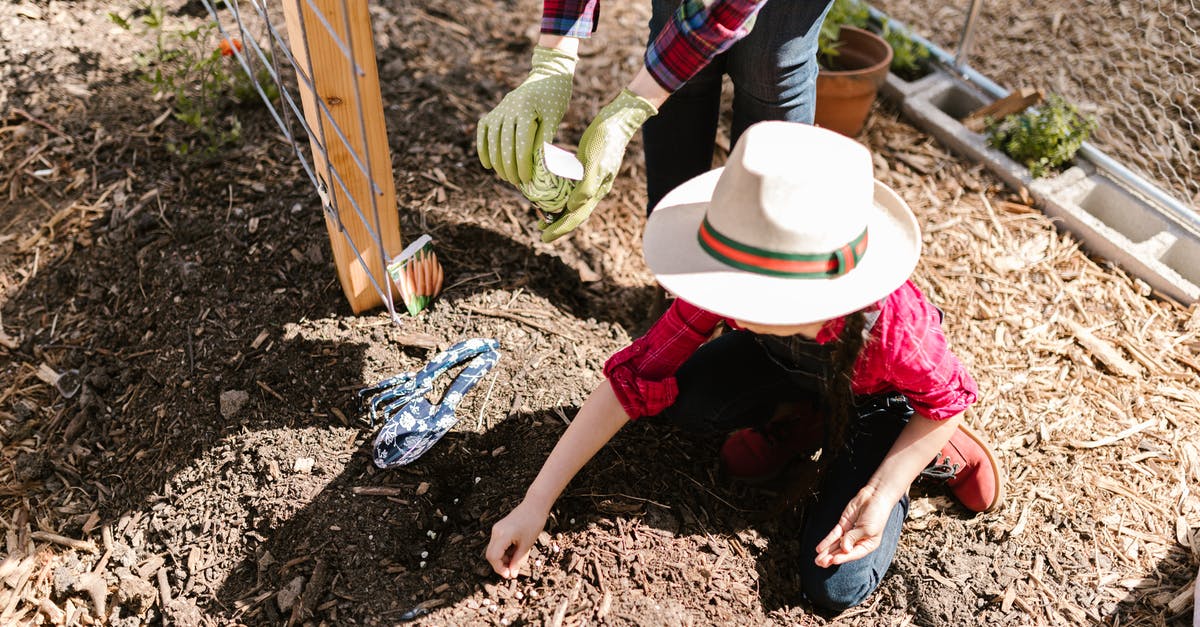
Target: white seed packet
561,162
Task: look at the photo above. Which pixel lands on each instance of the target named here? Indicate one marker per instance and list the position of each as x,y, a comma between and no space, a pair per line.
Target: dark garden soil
213,466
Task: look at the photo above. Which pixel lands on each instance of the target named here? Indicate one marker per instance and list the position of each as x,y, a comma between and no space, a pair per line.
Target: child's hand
859,530
512,537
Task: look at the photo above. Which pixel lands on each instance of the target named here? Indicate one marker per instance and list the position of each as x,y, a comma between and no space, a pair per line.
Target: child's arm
597,421
860,528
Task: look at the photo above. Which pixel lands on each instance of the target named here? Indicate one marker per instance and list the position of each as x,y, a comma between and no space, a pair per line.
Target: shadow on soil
213,291
215,350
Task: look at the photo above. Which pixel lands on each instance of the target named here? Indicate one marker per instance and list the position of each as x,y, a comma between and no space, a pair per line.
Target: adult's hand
532,111
601,150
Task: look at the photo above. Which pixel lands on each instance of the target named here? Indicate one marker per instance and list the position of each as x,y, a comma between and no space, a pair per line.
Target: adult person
675,95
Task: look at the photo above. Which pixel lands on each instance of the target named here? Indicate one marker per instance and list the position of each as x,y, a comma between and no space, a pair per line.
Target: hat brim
682,267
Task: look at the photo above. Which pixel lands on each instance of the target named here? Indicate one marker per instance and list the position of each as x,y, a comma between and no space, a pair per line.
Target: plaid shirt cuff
642,374
957,392
697,33
570,18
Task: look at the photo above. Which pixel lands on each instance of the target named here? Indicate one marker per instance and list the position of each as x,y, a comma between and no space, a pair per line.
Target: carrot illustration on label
417,274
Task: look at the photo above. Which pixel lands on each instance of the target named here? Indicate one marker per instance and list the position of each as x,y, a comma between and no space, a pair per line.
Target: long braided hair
838,394
839,402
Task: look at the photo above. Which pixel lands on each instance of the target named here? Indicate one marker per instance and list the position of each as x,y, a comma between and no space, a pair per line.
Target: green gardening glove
601,150
505,137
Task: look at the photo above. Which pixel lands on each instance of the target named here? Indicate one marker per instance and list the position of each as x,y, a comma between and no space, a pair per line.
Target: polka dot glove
601,150
505,137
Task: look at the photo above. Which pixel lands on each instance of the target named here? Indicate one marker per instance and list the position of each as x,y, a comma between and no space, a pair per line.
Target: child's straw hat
794,229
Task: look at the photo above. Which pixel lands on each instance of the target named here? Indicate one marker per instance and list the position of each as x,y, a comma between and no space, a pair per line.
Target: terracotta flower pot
846,90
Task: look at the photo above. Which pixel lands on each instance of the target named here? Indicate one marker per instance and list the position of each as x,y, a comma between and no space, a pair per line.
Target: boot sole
1001,479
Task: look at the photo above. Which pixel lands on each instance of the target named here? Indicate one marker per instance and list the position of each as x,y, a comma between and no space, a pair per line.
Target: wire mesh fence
1155,94
319,56
1135,66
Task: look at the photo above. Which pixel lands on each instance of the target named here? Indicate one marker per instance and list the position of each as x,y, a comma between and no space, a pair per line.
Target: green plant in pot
842,13
910,60
854,63
1042,138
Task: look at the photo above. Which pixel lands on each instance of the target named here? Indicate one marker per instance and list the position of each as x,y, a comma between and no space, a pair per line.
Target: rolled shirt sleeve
571,18
697,32
642,375
912,356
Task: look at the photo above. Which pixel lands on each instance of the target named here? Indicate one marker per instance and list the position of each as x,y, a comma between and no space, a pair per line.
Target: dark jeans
774,75
732,383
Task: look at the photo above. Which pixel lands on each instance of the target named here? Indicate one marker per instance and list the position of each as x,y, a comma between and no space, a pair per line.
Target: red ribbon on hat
789,265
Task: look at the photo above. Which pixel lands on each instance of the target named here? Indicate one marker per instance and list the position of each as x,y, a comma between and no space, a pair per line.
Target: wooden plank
1015,102
333,81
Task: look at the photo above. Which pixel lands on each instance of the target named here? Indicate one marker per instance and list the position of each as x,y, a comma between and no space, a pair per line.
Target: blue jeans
774,75
732,382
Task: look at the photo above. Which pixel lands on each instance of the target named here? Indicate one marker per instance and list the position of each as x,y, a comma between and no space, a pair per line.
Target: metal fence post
968,32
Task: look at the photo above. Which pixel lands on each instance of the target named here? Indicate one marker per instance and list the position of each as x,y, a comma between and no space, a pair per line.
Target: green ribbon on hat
823,265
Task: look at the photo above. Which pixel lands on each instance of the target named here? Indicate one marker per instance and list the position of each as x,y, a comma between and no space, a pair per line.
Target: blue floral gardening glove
505,137
411,423
601,150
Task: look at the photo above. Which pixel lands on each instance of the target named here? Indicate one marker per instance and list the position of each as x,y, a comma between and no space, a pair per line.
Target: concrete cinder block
1184,258
1148,240
897,90
1120,225
938,108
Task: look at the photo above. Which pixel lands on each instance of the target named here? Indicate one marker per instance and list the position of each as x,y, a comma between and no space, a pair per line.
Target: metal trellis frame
328,49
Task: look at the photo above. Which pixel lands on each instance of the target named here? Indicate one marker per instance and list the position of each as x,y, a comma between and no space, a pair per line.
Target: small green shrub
196,71
1042,138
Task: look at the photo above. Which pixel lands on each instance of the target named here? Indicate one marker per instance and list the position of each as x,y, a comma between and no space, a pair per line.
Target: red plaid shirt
906,353
697,32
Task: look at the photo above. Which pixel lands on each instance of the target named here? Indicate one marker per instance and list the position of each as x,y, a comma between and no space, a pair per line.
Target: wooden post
318,51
